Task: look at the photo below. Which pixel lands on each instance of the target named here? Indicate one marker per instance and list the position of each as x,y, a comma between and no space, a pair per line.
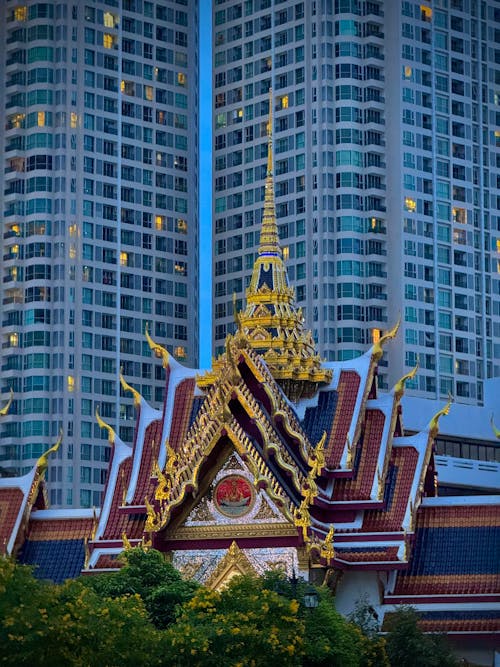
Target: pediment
231,501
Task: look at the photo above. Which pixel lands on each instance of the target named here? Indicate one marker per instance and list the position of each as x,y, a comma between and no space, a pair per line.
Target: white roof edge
24,484
460,501
69,513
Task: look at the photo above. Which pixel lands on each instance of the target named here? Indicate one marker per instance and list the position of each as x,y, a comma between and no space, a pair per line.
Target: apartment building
99,196
387,170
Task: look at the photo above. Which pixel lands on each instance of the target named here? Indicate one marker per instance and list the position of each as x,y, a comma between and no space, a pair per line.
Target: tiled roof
56,560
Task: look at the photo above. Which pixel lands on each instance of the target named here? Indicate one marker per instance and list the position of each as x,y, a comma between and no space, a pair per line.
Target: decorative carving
128,387
158,350
43,462
102,424
434,423
234,563
377,349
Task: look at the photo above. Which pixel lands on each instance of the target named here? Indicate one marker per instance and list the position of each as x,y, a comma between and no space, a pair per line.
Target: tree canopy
146,614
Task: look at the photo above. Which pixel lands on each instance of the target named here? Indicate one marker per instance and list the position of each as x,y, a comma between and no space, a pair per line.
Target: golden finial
87,553
172,460
162,491
377,349
327,551
102,424
124,487
126,543
127,387
159,351
302,519
153,520
399,387
5,409
270,134
95,523
350,452
496,431
317,459
434,423
43,462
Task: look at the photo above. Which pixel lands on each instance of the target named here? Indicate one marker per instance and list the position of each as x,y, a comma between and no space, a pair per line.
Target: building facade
387,158
99,195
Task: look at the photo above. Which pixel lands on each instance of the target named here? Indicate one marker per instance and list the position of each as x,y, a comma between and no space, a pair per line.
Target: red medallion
234,496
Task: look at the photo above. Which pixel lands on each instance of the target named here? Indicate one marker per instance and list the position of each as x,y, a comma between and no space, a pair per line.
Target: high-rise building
99,197
387,171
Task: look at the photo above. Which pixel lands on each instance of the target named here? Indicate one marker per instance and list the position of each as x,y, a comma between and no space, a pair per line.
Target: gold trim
233,563
223,531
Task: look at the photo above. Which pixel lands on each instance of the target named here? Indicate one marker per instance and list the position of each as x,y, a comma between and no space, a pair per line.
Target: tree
408,645
244,624
148,574
46,625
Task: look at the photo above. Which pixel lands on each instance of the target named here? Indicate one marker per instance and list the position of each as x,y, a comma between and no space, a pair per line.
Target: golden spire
269,239
43,462
271,324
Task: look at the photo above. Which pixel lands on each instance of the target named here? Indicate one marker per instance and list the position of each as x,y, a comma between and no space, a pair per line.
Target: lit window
408,72
498,245
15,249
72,251
124,258
181,79
148,93
181,226
109,20
410,204
459,215
497,138
72,229
108,40
20,13
180,352
41,119
425,13
284,102
376,335
160,222
13,339
71,383
73,119
286,252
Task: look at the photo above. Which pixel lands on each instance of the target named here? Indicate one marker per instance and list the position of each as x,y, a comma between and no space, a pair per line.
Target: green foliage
47,625
244,624
408,645
148,574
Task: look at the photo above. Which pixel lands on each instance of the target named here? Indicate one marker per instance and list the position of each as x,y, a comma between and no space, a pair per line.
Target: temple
274,458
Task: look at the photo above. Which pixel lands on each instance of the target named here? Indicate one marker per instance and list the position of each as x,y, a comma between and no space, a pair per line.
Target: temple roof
271,324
